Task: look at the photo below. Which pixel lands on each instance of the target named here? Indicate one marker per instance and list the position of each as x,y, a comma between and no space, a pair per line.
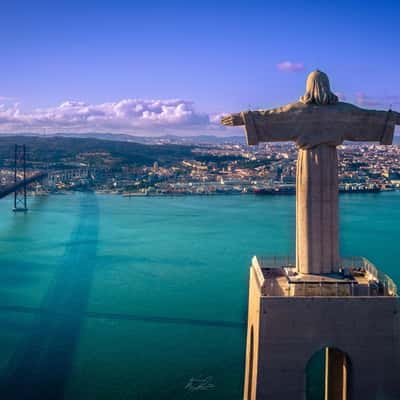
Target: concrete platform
357,277
293,316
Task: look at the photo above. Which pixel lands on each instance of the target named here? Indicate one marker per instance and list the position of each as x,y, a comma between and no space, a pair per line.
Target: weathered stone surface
310,124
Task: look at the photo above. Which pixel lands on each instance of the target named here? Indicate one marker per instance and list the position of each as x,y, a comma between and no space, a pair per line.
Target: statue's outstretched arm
262,125
269,126
371,125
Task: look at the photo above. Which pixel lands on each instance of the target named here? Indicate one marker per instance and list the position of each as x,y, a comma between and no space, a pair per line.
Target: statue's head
318,90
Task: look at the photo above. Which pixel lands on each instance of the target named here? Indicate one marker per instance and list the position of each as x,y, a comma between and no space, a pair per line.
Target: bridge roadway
6,190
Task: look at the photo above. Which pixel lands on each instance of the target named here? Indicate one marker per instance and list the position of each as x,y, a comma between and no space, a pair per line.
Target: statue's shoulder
346,106
298,107
339,106
291,107
355,110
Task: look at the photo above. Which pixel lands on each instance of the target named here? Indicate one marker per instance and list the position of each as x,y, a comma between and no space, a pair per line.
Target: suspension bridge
22,180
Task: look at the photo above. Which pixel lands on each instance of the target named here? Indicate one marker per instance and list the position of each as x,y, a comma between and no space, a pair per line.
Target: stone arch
328,375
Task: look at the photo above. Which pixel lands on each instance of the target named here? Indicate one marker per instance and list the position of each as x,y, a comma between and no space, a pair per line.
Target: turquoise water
105,297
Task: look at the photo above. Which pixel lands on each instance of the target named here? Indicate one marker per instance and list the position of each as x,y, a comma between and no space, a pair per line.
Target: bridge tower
20,203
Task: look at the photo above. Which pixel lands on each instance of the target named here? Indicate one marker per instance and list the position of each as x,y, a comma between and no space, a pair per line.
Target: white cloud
383,102
392,100
7,99
289,66
363,100
216,118
128,115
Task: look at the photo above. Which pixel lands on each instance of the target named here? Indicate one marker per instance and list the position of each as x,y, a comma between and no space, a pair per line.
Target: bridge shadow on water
42,364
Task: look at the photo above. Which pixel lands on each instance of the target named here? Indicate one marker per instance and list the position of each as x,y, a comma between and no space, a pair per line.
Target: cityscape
202,169
199,200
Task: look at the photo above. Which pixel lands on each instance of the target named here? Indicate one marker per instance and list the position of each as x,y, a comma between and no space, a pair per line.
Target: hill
64,149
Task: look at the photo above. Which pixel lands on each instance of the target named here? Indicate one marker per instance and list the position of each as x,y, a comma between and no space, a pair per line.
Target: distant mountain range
165,139
50,150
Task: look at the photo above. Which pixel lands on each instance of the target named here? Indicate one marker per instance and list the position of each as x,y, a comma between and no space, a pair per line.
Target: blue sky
175,66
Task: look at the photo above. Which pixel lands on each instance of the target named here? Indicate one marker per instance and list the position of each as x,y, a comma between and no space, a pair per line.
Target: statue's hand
232,120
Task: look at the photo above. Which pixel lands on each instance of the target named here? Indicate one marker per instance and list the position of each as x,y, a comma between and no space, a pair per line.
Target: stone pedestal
285,331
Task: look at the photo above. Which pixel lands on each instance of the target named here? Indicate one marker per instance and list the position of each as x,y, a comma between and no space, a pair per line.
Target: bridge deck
5,191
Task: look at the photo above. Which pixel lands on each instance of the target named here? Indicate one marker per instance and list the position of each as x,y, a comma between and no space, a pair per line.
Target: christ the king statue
318,123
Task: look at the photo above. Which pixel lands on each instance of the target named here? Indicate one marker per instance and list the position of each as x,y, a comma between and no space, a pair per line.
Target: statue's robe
317,130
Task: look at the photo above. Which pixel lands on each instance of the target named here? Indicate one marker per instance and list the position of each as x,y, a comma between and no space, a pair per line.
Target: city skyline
159,69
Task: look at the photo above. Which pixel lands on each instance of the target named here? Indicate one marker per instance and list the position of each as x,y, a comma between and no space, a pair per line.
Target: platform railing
373,274
276,261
